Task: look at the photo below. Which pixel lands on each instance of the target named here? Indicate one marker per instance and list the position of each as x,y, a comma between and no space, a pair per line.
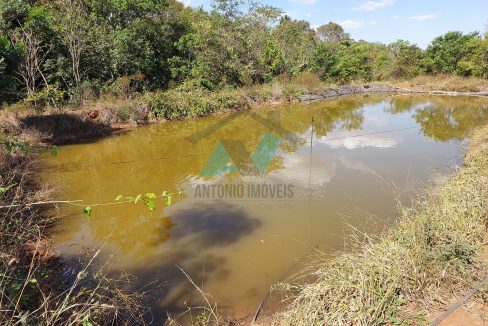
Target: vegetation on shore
35,286
434,254
65,54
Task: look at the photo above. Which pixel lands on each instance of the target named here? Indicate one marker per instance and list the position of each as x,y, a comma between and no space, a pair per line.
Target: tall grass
431,256
33,290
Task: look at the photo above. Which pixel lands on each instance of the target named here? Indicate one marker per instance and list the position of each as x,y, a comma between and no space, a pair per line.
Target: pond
260,190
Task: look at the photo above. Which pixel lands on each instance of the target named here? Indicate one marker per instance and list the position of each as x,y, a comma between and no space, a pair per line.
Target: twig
201,292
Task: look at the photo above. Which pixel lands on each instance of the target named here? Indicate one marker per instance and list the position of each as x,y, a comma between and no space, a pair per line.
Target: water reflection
366,152
445,118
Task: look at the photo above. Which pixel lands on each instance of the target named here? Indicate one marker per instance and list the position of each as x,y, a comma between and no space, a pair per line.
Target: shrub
124,114
185,102
42,98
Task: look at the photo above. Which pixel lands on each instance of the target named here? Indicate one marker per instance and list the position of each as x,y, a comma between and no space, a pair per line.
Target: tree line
69,50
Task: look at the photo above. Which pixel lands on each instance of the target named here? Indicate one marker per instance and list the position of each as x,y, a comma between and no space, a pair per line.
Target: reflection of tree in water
401,104
444,118
446,123
339,114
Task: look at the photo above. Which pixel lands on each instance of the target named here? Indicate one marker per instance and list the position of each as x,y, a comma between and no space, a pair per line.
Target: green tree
445,52
475,59
325,59
296,42
331,32
405,59
9,59
354,62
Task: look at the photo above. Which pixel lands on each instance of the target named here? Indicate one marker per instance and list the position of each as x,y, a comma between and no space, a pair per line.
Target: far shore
102,118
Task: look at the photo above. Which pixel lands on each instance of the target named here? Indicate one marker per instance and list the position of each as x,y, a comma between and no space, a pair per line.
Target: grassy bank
434,254
35,286
109,113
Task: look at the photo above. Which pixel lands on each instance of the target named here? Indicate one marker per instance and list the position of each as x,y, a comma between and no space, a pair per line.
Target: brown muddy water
241,222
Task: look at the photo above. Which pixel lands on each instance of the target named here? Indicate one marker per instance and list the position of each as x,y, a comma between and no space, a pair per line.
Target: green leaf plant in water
149,200
87,212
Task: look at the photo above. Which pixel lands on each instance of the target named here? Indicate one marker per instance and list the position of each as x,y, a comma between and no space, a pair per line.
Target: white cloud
373,23
356,165
304,2
352,24
395,17
377,121
423,17
296,169
361,142
373,5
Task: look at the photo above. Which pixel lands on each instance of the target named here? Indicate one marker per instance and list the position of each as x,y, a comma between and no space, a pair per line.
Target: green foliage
9,58
404,59
148,199
296,42
353,63
446,52
12,11
4,189
86,321
13,145
475,60
92,48
124,113
331,32
185,102
271,61
45,96
325,59
87,212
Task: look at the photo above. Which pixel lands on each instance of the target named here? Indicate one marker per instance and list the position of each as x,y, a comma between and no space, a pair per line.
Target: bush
124,114
44,97
185,102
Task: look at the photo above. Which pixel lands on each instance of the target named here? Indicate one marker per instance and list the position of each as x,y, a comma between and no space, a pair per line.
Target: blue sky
418,21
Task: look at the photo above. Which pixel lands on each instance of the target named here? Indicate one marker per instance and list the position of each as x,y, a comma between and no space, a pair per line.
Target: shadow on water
218,224
196,230
67,128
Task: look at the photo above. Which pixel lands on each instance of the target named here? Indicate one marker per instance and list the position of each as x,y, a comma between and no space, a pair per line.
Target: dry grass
33,290
432,256
448,83
285,88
